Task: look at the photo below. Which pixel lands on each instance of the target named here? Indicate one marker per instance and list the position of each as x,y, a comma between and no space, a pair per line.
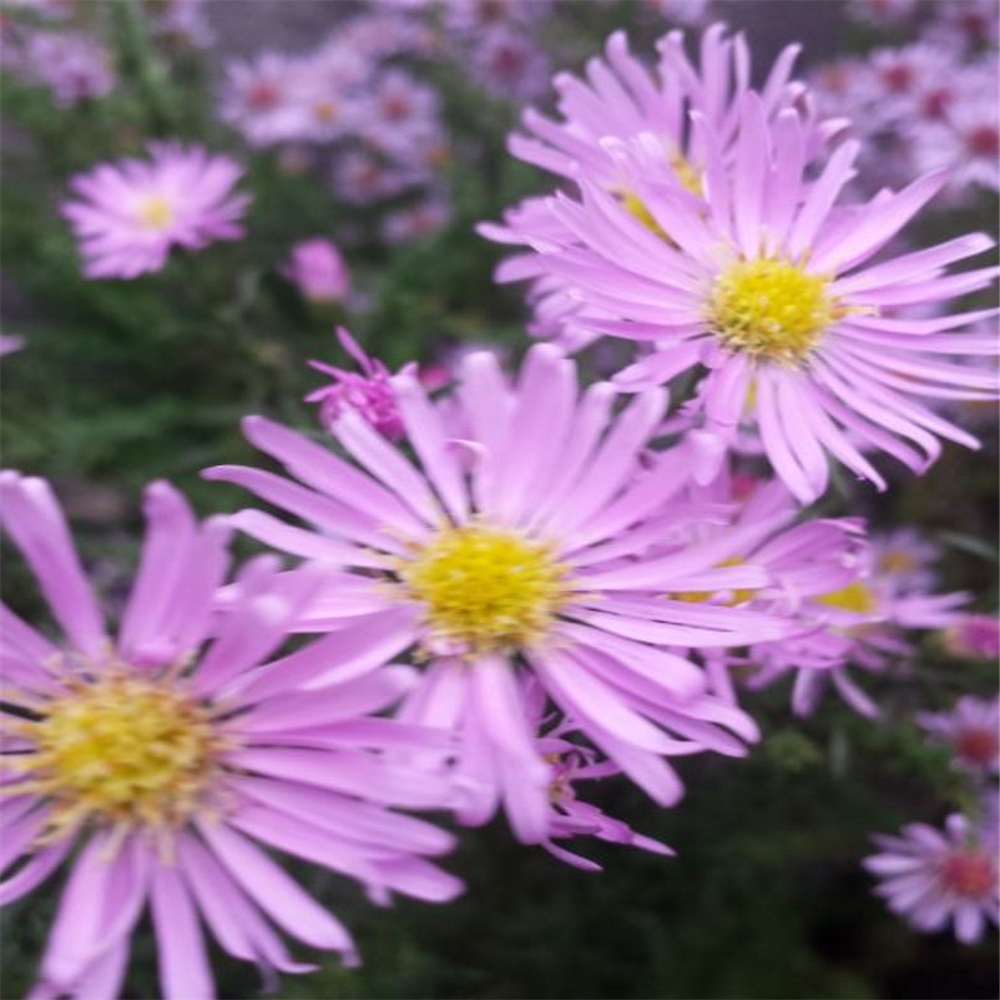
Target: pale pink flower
509,64
936,877
257,99
973,637
73,65
128,215
360,177
535,537
319,270
158,764
9,343
370,393
767,283
971,730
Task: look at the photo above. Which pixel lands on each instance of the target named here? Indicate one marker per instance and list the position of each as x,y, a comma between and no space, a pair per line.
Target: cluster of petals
934,878
309,774
653,265
559,472
73,65
319,270
368,393
128,215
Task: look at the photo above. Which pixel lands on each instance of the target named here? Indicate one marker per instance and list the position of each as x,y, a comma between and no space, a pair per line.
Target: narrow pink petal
185,973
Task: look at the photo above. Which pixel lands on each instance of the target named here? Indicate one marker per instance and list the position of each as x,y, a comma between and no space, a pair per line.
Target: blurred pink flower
74,66
9,343
971,730
369,394
317,267
973,637
936,877
128,215
165,754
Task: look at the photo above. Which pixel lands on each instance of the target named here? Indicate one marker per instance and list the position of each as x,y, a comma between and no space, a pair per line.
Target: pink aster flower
535,537
369,394
936,877
158,764
74,65
127,216
971,730
768,284
973,637
424,218
508,64
257,99
317,267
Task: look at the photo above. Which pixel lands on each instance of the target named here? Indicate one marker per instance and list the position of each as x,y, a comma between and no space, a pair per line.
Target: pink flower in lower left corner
163,765
936,877
127,216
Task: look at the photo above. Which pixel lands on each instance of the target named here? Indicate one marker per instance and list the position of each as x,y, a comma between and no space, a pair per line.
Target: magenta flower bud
318,269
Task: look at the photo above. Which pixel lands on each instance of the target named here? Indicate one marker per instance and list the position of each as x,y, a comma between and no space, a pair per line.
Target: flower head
128,215
535,539
168,754
973,637
971,730
936,877
766,283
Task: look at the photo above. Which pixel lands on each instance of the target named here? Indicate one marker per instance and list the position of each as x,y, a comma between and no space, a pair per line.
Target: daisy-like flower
257,98
973,637
936,877
769,285
533,540
369,393
127,216
74,65
971,730
161,766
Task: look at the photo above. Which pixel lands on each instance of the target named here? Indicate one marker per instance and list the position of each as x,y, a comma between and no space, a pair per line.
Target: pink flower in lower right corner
935,877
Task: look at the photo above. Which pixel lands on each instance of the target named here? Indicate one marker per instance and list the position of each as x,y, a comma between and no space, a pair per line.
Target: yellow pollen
326,111
156,213
485,588
700,596
772,309
123,750
856,597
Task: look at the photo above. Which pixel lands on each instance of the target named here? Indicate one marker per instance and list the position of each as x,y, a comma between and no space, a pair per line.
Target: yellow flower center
700,596
690,180
123,750
156,212
771,309
857,597
486,588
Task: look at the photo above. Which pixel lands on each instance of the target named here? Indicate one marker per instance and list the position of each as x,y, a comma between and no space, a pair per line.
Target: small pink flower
319,270
974,637
370,394
934,877
971,731
128,215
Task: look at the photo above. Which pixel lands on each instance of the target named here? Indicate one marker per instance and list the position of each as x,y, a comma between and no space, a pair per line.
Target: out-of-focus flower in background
128,216
319,270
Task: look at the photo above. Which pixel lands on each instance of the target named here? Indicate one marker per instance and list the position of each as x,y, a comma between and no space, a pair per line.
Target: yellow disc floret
123,750
857,597
772,309
156,212
701,596
486,588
